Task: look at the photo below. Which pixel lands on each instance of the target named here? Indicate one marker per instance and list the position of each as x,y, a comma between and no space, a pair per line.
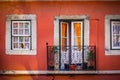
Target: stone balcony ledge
45,72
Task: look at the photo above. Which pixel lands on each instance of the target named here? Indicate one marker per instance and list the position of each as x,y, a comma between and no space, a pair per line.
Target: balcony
72,58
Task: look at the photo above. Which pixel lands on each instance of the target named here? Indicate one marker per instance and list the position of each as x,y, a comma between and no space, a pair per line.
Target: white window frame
108,50
56,31
76,17
24,17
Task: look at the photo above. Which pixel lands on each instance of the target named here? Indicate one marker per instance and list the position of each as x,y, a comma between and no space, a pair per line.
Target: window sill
34,72
21,52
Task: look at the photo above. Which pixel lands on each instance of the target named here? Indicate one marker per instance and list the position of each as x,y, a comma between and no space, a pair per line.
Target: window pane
15,25
21,45
116,41
26,25
15,45
64,30
77,27
27,31
115,27
77,41
64,36
27,45
15,31
21,25
21,31
64,43
26,39
15,39
20,39
77,34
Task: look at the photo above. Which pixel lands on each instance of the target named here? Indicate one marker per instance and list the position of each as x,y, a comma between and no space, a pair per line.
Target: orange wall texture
45,12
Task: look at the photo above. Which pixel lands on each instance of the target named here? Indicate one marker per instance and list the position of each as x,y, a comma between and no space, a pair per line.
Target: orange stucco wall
45,12
61,77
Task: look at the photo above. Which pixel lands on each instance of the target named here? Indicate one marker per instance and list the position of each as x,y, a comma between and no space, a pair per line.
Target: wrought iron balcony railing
71,58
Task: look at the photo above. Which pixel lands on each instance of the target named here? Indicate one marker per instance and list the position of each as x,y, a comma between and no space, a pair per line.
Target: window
112,35
115,34
71,49
71,33
21,35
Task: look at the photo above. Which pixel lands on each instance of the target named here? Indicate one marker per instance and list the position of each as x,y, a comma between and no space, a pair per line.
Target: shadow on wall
6,64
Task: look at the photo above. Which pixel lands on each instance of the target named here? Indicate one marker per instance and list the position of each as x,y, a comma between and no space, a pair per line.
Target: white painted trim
108,51
34,72
56,30
86,27
31,17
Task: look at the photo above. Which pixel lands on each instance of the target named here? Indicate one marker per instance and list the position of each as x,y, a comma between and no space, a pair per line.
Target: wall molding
42,72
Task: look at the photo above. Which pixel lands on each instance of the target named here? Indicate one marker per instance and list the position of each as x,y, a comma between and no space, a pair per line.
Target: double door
71,41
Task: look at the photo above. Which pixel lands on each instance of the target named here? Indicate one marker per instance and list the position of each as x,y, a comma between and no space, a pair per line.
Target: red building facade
43,16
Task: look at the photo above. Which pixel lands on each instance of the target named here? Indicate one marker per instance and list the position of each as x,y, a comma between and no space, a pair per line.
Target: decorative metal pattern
72,59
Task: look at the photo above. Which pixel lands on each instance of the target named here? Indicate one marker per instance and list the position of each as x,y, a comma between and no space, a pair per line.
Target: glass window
115,34
78,34
21,34
64,31
112,35
21,37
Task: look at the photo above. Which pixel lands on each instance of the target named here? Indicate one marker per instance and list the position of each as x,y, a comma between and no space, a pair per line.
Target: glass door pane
76,37
64,44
